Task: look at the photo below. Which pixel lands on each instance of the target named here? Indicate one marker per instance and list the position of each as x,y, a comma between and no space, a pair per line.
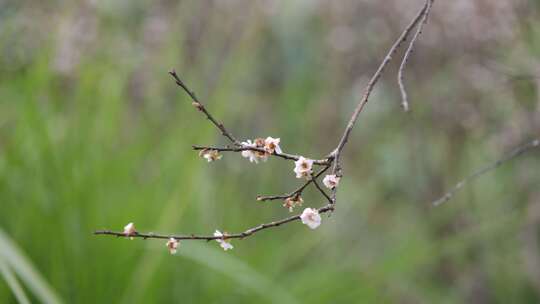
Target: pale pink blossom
303,167
129,230
222,241
271,145
311,218
172,244
331,181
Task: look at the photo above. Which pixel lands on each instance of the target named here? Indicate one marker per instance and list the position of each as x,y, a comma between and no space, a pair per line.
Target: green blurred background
94,134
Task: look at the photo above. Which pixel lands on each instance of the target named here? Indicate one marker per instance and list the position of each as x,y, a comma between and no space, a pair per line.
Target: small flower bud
129,230
197,105
222,241
172,244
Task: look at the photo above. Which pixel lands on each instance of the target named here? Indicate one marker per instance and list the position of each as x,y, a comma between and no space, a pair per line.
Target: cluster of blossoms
303,168
270,146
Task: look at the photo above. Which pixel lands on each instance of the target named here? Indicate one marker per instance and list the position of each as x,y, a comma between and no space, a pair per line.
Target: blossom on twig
331,181
129,230
311,218
271,145
249,153
303,167
222,242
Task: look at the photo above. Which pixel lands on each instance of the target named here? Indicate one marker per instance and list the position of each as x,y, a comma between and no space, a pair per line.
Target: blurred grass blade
12,283
237,270
21,265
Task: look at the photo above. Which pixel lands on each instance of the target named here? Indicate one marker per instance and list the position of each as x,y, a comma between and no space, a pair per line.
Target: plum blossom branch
260,149
513,154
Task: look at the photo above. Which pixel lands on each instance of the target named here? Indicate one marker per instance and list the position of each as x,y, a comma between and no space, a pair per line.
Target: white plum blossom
271,145
210,155
172,244
222,242
249,153
291,202
129,230
303,167
331,181
311,218
255,156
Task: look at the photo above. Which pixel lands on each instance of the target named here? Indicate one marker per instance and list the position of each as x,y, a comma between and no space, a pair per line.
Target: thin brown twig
241,235
369,88
198,104
295,192
408,52
513,154
322,162
330,201
367,93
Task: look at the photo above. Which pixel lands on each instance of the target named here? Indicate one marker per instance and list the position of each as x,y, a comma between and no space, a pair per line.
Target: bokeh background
94,134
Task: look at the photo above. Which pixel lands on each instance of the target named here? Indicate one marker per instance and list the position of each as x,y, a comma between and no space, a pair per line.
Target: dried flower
303,167
222,242
271,145
311,218
210,155
260,143
172,244
294,201
129,230
331,181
